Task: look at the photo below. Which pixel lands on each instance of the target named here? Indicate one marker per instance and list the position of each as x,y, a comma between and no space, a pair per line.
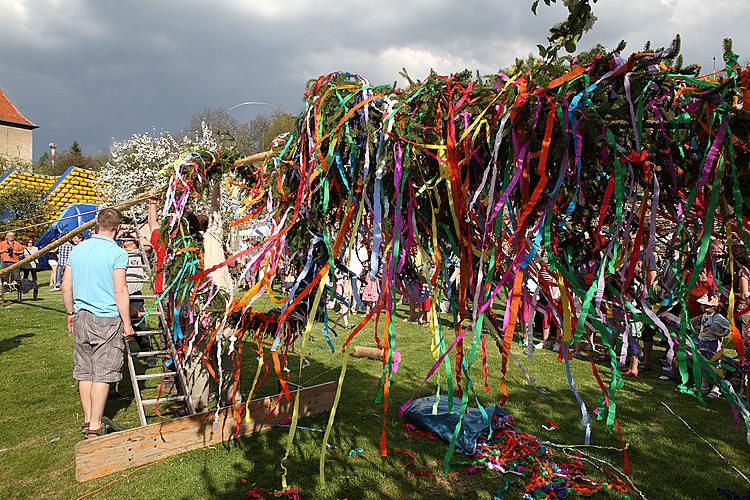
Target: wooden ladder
164,340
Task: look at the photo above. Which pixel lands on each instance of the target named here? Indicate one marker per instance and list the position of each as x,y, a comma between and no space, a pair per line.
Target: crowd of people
540,318
101,279
11,253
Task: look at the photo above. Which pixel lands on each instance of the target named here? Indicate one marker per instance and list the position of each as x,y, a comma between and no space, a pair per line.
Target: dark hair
108,219
739,253
196,224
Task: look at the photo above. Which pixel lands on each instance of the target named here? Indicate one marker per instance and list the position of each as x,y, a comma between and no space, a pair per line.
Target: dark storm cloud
97,70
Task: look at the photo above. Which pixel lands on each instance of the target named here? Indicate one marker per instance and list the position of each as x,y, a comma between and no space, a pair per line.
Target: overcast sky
102,69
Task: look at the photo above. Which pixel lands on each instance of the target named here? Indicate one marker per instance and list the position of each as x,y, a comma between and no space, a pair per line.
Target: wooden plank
133,447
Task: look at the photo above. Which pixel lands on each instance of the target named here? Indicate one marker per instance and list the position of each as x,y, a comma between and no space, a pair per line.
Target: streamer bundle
581,178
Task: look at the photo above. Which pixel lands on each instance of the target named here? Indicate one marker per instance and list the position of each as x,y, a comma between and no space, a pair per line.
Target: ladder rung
146,354
155,375
146,333
165,399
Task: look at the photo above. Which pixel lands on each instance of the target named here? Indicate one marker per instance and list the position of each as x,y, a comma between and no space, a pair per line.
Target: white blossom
136,163
590,20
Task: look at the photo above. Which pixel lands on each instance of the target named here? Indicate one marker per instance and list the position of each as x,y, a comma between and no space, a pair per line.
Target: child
712,328
370,294
425,297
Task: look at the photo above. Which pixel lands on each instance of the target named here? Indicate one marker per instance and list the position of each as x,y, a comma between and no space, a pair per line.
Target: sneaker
663,377
539,345
56,289
556,348
714,393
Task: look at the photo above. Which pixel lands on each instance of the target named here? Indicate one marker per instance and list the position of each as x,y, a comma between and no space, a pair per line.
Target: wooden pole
249,160
368,352
80,229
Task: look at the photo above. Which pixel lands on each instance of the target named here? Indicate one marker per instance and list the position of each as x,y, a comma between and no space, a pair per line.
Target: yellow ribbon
295,412
567,317
344,362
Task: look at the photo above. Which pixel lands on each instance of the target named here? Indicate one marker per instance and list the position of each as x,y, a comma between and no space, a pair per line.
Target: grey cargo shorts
98,348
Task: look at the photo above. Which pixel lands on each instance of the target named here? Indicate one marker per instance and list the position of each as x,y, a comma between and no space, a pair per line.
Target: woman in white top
29,267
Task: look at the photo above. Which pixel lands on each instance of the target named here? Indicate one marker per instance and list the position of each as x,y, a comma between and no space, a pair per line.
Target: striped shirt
135,274
63,253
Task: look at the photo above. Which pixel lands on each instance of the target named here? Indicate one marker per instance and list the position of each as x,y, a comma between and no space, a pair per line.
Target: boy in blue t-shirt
95,294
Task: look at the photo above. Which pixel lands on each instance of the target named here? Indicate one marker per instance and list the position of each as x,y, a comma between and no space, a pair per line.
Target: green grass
40,418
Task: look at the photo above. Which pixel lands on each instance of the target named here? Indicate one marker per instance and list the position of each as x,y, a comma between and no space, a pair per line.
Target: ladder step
165,399
147,333
148,354
149,376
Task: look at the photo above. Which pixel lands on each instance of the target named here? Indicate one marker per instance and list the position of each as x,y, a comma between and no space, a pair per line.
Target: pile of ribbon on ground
541,472
577,172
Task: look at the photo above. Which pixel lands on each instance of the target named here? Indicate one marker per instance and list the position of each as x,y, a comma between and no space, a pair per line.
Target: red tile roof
10,114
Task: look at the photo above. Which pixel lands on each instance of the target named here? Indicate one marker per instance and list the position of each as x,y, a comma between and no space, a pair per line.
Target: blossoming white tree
136,163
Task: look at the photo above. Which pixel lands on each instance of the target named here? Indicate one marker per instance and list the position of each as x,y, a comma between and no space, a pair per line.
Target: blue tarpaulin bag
443,423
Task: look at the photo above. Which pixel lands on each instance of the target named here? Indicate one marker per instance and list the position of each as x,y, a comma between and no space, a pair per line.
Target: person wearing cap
712,327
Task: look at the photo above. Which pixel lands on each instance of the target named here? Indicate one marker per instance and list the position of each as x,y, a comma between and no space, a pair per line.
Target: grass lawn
40,418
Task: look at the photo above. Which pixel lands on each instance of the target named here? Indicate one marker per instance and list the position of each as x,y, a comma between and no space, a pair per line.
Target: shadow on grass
666,459
34,304
359,475
659,445
13,342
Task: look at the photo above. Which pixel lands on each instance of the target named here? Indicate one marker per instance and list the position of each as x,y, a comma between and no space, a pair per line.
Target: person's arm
67,295
122,300
696,322
153,222
744,288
